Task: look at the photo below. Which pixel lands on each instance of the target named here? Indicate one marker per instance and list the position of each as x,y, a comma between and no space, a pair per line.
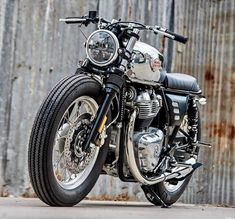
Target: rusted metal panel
37,50
209,56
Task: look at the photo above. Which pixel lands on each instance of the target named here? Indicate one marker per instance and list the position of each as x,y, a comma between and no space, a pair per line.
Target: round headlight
102,47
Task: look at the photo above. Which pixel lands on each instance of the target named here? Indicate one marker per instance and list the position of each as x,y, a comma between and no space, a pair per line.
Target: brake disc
76,159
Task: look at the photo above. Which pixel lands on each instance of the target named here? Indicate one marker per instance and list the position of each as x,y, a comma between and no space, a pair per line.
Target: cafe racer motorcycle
122,115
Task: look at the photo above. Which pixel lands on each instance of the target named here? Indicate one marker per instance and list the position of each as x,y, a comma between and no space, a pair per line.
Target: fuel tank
146,65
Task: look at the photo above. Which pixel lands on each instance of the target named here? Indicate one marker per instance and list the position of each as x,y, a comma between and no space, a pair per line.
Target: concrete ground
19,208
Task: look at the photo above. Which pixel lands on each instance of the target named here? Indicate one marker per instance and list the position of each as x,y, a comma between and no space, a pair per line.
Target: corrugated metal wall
210,57
37,50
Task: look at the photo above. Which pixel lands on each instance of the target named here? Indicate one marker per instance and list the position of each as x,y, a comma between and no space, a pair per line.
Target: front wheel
61,173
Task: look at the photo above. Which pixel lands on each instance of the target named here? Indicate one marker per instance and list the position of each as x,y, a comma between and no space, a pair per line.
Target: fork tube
113,86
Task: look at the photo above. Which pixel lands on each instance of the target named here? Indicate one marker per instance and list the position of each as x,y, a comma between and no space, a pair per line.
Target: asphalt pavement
27,208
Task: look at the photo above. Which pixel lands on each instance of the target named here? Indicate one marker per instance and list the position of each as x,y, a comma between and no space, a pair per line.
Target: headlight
102,47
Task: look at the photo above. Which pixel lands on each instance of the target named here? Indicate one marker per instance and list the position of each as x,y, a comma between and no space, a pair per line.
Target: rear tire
167,195
41,142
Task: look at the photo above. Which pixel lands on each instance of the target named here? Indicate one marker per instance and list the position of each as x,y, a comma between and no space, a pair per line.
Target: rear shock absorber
193,120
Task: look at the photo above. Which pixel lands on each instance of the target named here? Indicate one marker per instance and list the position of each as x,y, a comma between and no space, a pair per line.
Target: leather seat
181,82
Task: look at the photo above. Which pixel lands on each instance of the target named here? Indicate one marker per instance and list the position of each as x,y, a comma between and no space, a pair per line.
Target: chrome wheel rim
71,165
171,187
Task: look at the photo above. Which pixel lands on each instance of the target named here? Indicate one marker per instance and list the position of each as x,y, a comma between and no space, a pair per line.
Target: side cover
177,105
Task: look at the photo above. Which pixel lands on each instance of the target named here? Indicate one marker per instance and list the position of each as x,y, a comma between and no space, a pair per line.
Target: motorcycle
122,115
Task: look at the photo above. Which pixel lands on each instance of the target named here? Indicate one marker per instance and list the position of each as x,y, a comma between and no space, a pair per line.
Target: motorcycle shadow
95,204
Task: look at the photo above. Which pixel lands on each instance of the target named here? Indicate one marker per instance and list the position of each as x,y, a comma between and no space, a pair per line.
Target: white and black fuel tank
147,64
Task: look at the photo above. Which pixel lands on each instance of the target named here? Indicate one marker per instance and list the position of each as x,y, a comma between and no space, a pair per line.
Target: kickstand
164,205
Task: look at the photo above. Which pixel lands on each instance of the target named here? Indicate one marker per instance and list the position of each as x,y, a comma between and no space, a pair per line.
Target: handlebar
92,18
171,35
178,37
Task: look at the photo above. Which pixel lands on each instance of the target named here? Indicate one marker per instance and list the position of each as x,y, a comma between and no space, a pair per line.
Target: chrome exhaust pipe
182,170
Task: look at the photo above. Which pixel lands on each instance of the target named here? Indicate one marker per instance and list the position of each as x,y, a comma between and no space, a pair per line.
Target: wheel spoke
61,136
59,159
67,175
67,117
73,115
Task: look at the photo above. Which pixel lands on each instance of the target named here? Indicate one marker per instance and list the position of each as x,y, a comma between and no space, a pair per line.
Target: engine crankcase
149,147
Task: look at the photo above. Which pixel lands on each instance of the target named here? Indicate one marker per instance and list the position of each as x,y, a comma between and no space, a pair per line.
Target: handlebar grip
178,37
73,20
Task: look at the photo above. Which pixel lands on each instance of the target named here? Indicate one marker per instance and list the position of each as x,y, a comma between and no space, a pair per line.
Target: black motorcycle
121,114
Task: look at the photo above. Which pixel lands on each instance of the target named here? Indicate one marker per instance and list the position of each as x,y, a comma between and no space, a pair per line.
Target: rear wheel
62,174
170,192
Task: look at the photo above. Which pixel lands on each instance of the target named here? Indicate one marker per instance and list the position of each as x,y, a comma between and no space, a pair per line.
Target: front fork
113,86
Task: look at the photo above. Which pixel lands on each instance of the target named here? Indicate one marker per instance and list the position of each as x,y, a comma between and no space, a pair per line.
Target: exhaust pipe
182,171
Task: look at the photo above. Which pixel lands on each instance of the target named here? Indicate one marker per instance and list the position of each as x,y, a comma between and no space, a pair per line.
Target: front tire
45,129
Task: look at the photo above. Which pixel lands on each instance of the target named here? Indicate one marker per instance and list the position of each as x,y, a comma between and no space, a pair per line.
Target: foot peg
204,144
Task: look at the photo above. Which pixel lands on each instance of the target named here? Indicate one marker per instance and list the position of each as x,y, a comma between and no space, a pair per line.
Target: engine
147,140
149,145
148,104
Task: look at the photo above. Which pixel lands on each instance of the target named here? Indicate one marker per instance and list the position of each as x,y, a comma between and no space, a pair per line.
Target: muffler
181,171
